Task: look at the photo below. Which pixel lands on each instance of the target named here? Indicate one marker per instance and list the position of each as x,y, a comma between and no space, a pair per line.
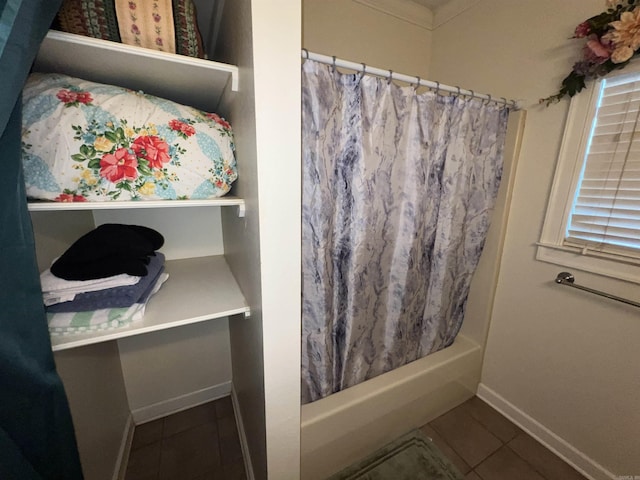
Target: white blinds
606,210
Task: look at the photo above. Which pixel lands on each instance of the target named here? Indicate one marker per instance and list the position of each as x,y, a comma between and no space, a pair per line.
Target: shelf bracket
247,314
241,210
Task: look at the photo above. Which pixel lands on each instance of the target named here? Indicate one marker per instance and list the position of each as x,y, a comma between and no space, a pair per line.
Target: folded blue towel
70,323
116,297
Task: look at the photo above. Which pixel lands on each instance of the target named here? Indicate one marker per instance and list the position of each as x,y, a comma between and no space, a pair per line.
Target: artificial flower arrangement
612,39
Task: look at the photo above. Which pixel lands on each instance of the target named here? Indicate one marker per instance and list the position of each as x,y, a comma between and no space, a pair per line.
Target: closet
227,320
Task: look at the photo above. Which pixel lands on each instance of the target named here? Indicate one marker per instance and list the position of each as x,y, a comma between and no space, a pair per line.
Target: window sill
601,264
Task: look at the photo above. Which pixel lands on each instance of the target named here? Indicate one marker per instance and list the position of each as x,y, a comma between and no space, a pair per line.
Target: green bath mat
410,457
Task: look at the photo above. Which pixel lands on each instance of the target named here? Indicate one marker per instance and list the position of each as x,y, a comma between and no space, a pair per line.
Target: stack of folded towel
104,280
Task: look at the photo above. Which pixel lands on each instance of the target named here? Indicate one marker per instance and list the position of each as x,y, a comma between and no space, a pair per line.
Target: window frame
551,248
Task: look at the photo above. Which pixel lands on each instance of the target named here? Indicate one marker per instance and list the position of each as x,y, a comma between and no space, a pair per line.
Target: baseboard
248,466
177,404
553,442
125,448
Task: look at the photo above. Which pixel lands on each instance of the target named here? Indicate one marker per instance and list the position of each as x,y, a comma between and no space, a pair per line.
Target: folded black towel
110,249
115,297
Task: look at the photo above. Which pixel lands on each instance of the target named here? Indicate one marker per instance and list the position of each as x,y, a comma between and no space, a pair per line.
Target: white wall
477,316
276,29
242,237
263,251
355,32
560,361
93,382
174,369
92,375
168,371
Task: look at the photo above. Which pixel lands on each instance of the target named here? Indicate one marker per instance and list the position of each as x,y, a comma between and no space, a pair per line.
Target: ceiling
431,4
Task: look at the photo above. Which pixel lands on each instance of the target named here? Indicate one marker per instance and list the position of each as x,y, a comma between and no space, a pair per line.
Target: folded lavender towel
116,297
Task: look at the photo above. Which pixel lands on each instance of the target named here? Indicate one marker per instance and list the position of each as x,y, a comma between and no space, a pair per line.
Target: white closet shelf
191,81
44,206
198,289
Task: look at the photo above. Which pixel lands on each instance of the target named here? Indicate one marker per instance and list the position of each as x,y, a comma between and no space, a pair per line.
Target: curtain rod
390,75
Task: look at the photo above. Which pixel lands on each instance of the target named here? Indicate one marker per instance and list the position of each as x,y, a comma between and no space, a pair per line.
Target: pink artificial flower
582,30
153,149
156,17
119,165
596,52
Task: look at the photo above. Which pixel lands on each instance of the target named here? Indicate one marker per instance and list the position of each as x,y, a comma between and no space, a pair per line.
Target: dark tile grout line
487,458
161,448
506,445
503,445
533,467
442,439
215,420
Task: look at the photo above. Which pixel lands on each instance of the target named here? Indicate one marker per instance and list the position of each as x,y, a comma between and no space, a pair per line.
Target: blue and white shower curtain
398,190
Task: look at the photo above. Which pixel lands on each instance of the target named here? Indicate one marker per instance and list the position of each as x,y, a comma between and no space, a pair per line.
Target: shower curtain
37,440
398,190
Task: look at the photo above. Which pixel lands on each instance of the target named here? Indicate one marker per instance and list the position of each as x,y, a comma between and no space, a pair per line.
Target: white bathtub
348,425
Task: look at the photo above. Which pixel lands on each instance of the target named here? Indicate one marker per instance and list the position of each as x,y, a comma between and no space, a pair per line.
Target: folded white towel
104,319
56,290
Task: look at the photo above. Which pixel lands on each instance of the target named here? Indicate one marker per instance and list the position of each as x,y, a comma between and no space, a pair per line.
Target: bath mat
410,457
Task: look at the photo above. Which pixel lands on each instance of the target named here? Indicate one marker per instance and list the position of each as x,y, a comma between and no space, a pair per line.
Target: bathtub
346,426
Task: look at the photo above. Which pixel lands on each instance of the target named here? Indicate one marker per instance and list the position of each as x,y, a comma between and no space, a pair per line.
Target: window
593,217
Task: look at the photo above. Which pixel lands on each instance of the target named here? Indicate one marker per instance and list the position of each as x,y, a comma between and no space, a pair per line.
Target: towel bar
566,278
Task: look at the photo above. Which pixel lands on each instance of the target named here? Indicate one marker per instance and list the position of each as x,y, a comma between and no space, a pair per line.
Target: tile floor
202,444
484,445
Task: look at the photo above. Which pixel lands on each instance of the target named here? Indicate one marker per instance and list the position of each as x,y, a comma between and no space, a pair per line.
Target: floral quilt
85,141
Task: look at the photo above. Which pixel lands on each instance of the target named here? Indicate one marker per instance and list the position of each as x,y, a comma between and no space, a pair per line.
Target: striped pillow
165,25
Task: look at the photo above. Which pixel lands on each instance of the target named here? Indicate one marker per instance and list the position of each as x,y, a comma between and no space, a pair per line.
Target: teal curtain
36,433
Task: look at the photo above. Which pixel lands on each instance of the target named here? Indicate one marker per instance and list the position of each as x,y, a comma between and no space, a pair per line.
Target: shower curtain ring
333,64
390,78
472,94
364,70
418,80
488,101
306,53
458,94
504,100
437,87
